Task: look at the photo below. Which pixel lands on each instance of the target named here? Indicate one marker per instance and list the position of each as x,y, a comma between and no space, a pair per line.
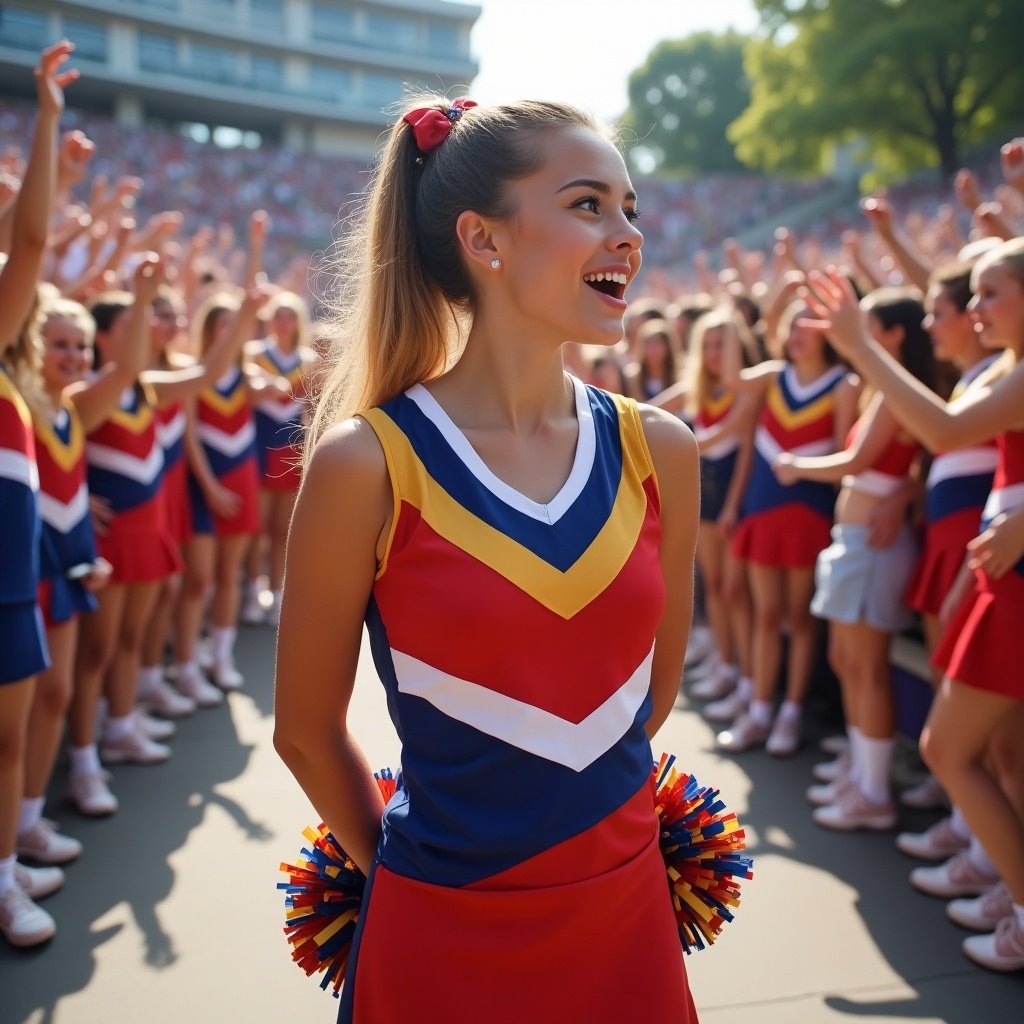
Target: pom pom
324,891
701,845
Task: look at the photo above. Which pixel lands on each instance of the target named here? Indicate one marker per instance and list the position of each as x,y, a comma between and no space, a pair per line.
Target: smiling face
950,327
67,353
711,351
570,248
998,308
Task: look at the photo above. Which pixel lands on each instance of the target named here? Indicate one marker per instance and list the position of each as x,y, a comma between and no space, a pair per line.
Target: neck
286,345
809,369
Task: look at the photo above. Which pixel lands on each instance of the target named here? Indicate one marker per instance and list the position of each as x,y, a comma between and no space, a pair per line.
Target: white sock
1018,910
119,728
745,687
223,643
31,812
958,823
149,678
856,752
980,860
7,872
85,760
186,670
877,768
761,712
791,710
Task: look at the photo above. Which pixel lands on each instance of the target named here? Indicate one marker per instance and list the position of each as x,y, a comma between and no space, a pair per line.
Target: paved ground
171,914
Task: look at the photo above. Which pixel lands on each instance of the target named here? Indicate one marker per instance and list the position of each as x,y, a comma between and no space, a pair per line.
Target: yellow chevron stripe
792,419
9,392
65,455
139,421
564,593
718,407
226,405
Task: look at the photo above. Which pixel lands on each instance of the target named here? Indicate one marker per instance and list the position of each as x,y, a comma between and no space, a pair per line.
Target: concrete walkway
171,914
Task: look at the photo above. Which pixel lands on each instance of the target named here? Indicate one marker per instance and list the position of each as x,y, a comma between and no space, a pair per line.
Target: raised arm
913,265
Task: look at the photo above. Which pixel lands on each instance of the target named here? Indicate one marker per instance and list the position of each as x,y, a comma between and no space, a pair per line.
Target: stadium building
313,75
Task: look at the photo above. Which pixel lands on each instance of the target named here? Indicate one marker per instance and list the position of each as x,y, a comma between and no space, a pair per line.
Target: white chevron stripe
170,432
964,462
1006,499
280,412
801,392
770,449
231,445
522,725
64,517
19,467
143,471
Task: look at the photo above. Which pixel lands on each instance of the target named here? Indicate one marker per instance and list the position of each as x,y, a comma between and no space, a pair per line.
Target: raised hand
148,277
76,150
968,193
51,80
831,298
879,212
1012,159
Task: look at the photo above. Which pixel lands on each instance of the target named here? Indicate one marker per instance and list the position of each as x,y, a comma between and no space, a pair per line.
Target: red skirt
244,482
942,557
983,645
788,537
282,468
139,545
174,489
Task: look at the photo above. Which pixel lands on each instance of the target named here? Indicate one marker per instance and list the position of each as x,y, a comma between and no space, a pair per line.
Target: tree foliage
918,80
683,98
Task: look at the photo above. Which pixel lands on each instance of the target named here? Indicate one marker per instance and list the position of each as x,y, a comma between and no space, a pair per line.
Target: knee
12,744
195,585
768,618
53,696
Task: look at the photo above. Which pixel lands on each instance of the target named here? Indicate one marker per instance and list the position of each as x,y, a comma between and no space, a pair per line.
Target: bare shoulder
670,440
348,455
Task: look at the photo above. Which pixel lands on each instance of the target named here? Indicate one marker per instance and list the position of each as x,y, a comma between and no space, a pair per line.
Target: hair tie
430,126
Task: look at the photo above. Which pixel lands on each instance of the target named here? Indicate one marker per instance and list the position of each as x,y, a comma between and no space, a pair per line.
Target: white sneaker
784,739
743,734
197,687
939,842
718,683
226,676
21,921
829,771
956,877
984,912
826,793
204,653
91,795
45,845
926,795
700,644
153,728
38,882
853,811
1003,950
728,709
835,745
135,748
162,698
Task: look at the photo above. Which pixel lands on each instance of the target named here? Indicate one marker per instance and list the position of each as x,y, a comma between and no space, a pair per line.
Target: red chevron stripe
15,432
117,436
819,430
230,424
54,481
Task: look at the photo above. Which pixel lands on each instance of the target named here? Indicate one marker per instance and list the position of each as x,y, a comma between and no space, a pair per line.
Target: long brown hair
403,295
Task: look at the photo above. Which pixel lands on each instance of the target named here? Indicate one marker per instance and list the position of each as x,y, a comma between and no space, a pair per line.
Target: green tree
681,101
918,80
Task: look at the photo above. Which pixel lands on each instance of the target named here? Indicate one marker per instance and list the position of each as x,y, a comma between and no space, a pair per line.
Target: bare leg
803,633
200,553
123,675
736,594
710,558
97,637
15,705
766,648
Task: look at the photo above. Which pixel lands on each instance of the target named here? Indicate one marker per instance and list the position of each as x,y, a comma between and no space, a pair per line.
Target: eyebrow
597,186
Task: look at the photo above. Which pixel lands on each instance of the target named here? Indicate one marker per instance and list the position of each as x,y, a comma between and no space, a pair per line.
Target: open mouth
608,284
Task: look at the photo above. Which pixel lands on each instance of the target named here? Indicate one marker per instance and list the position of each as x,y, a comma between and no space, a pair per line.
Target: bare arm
674,453
737,421
342,512
910,262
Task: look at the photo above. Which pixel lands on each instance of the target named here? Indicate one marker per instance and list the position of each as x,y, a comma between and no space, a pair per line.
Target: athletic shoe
38,882
784,739
198,688
853,811
45,845
939,842
728,709
956,877
699,646
91,795
829,771
1003,950
925,796
226,676
743,734
252,612
158,729
135,748
826,793
204,653
718,683
835,745
984,912
162,698
21,921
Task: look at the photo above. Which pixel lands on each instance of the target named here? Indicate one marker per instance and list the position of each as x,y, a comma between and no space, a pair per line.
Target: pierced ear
477,238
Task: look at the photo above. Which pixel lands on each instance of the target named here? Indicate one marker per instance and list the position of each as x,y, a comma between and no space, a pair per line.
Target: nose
626,235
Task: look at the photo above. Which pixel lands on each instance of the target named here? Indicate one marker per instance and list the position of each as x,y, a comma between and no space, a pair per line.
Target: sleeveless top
713,409
889,470
800,419
125,459
279,417
224,423
514,640
19,498
960,480
67,535
1008,483
170,432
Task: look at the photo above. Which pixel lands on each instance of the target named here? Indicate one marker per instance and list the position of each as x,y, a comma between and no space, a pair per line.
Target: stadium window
444,40
334,24
266,14
329,83
380,90
216,63
24,30
267,72
393,33
90,39
157,52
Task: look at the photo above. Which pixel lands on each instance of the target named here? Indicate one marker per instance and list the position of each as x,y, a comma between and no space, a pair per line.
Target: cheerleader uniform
981,646
224,424
522,842
125,464
67,535
170,432
279,420
958,485
786,527
717,463
23,650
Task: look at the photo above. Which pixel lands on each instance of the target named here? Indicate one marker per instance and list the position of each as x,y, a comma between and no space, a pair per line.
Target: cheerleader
284,355
808,404
655,369
860,578
980,651
22,637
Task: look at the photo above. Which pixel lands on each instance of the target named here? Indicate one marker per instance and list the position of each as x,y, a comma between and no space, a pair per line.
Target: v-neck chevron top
514,639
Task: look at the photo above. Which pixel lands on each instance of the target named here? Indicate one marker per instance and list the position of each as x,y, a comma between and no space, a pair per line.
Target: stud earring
496,264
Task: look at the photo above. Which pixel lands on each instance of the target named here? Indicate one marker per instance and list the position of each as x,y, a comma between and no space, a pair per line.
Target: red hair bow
430,126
